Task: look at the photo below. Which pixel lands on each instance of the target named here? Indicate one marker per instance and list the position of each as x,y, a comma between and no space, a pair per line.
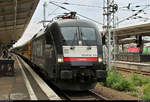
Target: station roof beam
143,29
15,16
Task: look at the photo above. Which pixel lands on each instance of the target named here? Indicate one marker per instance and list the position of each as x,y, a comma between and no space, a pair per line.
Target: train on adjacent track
69,51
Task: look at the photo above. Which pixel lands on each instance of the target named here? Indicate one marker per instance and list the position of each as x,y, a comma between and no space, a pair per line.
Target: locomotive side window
69,33
87,33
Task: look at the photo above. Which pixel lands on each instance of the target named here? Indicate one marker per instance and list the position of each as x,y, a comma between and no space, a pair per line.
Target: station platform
137,66
23,85
13,87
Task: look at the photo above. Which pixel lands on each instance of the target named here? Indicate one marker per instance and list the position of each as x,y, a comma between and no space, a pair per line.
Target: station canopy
123,34
15,16
143,29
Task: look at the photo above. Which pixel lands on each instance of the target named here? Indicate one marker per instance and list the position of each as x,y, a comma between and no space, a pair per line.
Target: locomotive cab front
81,53
69,53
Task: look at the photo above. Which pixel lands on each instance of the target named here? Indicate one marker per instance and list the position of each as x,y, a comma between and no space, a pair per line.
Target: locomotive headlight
100,60
60,60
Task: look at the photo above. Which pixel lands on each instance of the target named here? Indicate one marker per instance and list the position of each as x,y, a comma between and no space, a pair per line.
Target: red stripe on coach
80,59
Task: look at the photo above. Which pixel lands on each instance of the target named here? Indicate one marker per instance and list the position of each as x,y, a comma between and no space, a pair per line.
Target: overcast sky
95,13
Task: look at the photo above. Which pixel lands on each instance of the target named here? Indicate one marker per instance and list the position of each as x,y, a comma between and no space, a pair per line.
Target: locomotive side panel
49,54
70,52
38,52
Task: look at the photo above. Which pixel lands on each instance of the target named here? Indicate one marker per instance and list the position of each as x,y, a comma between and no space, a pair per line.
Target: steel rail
133,70
83,95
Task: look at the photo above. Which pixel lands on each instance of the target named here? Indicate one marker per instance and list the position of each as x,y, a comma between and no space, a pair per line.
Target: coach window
35,48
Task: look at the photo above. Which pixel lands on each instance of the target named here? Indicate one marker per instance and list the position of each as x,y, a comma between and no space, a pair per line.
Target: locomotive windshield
87,33
69,33
72,33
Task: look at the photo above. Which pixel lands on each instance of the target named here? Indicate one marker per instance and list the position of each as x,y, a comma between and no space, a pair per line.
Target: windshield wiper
75,37
83,39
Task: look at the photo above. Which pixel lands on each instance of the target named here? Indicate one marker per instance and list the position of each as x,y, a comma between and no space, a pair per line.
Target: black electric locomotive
70,53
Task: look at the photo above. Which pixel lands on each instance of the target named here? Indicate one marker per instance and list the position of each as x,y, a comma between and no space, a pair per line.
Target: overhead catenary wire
56,13
142,5
135,14
137,6
144,11
132,8
66,3
77,13
55,10
43,21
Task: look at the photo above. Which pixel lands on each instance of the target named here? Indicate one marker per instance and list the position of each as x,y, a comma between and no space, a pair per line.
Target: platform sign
148,51
145,51
134,50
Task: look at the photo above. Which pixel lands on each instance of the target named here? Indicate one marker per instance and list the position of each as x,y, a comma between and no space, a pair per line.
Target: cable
135,14
56,14
128,8
66,3
77,13
55,9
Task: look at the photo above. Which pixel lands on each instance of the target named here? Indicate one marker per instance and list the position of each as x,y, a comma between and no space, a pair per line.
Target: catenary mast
109,8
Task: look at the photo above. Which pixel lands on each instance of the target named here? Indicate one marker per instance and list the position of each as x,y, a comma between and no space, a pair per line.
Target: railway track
132,71
71,95
82,95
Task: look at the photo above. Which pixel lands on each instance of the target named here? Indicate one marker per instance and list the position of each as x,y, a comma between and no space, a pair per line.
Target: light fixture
100,60
60,60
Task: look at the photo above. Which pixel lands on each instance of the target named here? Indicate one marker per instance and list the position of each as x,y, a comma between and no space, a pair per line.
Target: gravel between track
112,94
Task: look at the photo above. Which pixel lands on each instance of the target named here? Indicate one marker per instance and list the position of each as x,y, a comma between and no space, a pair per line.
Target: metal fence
133,57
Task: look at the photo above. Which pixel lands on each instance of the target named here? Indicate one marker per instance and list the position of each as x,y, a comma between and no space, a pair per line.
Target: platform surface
144,66
25,84
13,87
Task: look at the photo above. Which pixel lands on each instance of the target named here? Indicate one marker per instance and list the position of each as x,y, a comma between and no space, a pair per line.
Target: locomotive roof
41,32
68,23
75,22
